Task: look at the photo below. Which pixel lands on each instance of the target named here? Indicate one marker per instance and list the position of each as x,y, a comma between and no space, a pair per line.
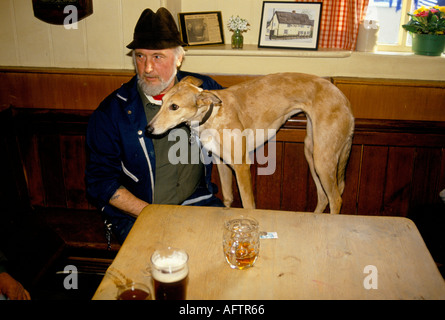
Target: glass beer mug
241,242
134,291
169,270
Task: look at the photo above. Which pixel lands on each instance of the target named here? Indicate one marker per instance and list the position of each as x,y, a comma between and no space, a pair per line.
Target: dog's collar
207,115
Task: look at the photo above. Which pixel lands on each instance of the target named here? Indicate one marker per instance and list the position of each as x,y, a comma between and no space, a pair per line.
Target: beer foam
170,268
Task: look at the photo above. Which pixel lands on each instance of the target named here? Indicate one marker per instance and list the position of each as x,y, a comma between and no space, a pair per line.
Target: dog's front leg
225,176
244,179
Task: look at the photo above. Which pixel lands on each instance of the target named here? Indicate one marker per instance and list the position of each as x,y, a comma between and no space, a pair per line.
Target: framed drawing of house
292,25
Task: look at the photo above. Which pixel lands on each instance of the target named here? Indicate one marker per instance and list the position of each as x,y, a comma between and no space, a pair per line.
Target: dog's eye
174,107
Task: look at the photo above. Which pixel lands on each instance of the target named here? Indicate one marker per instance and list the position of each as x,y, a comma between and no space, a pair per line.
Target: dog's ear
192,80
207,98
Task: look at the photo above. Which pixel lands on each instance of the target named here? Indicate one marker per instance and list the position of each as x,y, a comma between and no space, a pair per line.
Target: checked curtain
339,23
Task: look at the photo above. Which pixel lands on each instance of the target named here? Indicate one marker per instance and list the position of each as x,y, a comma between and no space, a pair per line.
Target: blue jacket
120,153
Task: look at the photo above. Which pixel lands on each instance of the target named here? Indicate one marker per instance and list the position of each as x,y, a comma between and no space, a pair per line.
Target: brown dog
266,103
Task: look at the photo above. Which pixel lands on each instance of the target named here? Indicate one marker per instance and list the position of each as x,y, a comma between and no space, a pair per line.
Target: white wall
99,41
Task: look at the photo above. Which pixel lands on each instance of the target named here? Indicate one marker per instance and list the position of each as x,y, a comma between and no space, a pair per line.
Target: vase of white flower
237,40
237,25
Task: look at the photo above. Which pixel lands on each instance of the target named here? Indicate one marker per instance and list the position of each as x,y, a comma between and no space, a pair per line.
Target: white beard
154,90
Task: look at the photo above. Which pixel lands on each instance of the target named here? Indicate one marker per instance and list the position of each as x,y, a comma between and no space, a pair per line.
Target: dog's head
185,102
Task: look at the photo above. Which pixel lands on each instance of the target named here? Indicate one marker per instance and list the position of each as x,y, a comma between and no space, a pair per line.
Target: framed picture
201,28
292,25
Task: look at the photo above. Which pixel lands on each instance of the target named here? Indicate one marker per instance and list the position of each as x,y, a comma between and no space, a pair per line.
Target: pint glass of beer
241,242
169,271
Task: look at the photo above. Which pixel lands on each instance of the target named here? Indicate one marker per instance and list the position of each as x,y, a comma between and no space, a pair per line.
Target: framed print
201,28
292,25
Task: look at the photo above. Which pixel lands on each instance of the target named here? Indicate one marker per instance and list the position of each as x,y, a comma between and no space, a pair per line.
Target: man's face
156,70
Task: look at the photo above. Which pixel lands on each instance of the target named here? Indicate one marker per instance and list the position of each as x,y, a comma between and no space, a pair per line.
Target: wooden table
316,256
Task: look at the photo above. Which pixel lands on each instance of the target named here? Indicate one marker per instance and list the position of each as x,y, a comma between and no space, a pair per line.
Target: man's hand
12,289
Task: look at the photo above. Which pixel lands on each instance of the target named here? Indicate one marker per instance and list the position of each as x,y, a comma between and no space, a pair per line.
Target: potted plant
237,25
427,26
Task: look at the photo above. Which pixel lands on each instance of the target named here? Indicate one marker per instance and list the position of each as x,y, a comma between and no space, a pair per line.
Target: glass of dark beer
169,270
134,291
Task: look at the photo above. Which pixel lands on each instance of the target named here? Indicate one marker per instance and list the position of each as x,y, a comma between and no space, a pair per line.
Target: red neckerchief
158,97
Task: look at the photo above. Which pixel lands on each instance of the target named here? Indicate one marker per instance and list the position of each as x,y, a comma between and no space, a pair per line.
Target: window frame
401,45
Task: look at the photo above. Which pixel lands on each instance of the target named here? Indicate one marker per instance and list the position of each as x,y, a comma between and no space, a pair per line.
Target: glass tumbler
241,242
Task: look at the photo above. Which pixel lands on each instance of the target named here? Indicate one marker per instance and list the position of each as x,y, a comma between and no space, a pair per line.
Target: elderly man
127,169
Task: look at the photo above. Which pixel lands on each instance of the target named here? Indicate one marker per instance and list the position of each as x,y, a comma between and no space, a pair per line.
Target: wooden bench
43,191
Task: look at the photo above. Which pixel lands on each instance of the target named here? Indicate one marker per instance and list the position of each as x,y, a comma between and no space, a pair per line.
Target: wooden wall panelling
426,176
268,188
412,173
295,178
69,88
442,171
73,157
52,171
398,188
394,99
372,180
85,89
299,191
230,80
53,149
14,195
384,165
29,149
58,89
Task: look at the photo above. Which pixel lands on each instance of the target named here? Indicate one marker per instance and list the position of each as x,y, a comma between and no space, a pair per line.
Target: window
391,15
